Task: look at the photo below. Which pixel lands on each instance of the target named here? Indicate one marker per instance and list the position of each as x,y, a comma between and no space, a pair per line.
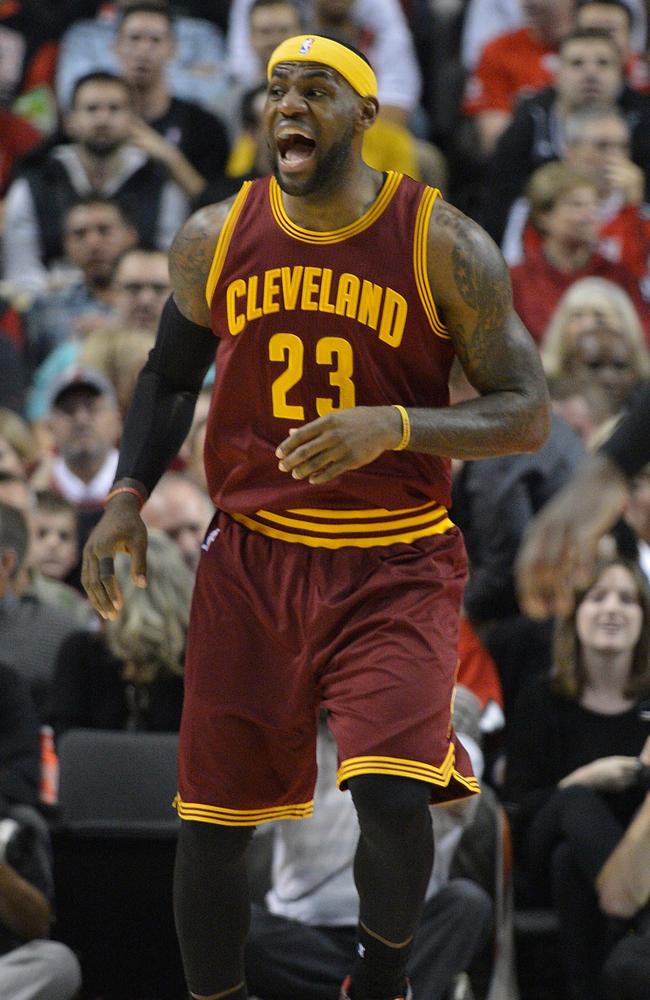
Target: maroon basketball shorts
280,629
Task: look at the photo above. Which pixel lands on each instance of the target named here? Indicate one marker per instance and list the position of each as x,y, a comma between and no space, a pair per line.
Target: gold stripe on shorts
240,817
403,768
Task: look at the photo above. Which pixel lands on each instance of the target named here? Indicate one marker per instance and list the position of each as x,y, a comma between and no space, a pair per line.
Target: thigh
389,655
248,731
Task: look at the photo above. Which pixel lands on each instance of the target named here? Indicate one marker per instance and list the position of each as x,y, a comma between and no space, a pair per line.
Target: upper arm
190,259
471,288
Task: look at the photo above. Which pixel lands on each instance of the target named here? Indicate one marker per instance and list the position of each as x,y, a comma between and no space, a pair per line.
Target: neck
152,101
606,675
567,258
86,470
325,211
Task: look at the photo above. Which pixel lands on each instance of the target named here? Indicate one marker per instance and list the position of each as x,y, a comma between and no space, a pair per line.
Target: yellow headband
316,49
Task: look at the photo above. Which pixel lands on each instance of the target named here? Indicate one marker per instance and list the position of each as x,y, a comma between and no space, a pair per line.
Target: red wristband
127,489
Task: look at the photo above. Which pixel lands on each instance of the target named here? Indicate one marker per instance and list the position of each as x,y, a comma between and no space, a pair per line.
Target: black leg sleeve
211,905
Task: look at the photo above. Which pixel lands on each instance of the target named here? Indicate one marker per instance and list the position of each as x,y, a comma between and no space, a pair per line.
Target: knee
63,970
207,849
389,803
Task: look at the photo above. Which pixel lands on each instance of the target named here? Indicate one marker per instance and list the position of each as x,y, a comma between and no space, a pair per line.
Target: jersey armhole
223,242
420,261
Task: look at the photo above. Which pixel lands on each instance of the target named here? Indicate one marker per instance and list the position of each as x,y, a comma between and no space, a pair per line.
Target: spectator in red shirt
597,144
515,65
564,209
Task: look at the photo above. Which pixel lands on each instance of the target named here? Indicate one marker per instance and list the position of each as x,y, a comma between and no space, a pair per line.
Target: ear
368,111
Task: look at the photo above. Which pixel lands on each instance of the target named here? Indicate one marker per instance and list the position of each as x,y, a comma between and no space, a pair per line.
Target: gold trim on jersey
240,817
400,767
361,528
223,242
385,196
420,261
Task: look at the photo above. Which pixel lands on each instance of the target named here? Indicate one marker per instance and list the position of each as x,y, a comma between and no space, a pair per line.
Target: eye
276,92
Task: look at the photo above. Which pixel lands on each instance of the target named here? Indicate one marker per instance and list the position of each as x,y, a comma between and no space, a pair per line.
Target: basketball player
331,573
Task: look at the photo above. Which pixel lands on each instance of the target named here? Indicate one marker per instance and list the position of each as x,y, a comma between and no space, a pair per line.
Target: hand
558,554
121,529
623,175
607,774
151,142
342,440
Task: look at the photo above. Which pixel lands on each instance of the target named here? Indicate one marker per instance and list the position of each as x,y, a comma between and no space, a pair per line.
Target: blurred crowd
117,120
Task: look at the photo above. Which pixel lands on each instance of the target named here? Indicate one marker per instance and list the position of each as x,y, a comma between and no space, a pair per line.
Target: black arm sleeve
160,413
629,445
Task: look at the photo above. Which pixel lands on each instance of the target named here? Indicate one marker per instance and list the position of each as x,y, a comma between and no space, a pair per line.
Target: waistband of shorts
335,529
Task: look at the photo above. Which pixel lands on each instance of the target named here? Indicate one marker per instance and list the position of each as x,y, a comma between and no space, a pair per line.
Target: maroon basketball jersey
311,322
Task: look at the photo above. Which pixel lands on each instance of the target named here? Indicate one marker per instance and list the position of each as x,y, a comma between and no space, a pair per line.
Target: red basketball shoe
347,983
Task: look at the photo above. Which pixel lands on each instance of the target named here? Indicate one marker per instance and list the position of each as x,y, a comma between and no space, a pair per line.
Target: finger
330,472
319,463
304,453
102,592
298,436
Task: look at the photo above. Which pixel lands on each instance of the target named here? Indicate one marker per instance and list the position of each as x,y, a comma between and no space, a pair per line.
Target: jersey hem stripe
441,776
420,261
240,817
223,242
384,197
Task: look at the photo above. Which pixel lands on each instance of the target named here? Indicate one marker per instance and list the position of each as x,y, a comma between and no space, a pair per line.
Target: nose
292,102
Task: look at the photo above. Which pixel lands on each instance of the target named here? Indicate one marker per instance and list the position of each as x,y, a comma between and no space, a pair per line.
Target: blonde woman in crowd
130,675
595,335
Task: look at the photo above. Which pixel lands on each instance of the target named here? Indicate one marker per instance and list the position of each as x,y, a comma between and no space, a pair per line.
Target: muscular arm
470,284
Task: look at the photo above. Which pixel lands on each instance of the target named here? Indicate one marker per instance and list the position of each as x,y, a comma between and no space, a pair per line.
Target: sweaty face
101,117
589,72
309,120
609,617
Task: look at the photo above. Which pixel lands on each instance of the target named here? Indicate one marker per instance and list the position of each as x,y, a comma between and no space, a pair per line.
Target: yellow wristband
406,428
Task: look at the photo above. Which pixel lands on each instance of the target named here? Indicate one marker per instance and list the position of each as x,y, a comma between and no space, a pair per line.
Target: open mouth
295,148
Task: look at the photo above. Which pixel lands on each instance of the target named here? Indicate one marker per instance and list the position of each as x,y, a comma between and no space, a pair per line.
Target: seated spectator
380,27
19,450
589,72
31,966
99,158
589,305
139,289
31,632
197,71
95,233
574,778
85,425
28,39
616,17
31,582
189,141
302,942
564,211
180,508
130,675
55,541
607,356
597,144
515,65
494,501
